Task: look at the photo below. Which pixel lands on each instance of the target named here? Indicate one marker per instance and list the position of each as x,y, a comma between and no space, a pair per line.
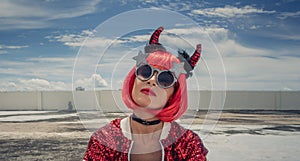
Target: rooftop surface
228,135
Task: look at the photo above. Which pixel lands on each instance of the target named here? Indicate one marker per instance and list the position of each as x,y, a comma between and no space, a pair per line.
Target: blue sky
253,45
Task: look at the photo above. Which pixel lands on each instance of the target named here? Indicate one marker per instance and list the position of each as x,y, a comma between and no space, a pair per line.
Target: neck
144,122
139,128
144,115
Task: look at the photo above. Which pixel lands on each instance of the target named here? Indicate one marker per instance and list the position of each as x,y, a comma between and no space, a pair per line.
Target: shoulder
107,140
110,135
183,133
188,143
113,125
109,130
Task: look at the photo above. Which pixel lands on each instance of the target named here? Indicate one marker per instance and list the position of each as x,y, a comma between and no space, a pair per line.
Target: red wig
178,102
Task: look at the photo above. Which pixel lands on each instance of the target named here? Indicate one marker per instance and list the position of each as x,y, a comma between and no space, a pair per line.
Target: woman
155,90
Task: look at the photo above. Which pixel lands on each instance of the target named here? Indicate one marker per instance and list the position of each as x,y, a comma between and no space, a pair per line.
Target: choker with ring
144,122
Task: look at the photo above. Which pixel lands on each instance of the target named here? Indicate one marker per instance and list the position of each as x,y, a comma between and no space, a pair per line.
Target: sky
56,45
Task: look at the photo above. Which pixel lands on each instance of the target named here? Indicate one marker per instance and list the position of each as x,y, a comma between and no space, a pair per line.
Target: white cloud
19,23
55,60
4,48
139,38
88,39
285,15
246,67
42,9
85,38
44,73
222,38
293,36
12,9
231,48
217,33
254,27
256,73
36,14
12,46
48,68
82,8
33,85
230,11
95,81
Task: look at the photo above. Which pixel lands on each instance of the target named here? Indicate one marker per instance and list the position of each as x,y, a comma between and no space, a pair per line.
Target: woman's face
149,95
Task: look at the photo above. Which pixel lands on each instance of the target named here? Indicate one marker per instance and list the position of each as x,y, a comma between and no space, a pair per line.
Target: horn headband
187,63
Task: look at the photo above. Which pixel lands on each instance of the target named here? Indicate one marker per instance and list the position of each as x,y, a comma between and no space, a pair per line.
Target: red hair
177,104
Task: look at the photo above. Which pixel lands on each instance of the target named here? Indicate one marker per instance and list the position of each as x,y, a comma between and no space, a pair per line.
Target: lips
147,91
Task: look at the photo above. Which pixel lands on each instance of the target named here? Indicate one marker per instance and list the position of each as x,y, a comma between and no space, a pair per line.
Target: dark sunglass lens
144,72
165,79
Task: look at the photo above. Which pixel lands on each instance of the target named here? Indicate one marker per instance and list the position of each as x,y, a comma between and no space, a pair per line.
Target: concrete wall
110,101
263,100
20,100
55,100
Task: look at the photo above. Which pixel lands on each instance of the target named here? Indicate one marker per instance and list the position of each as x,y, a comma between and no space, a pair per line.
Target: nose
152,80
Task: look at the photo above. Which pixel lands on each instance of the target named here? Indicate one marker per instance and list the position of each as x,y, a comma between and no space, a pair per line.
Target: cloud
3,48
37,73
230,11
77,10
37,14
84,38
12,47
285,15
282,36
257,73
247,67
172,37
13,9
55,60
18,23
95,81
221,37
43,9
231,48
217,33
33,85
48,68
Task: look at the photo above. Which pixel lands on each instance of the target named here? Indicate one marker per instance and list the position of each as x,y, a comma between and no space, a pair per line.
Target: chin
149,102
154,107
150,106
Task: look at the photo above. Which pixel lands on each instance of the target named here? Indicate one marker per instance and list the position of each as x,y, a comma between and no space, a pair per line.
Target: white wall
110,101
20,100
55,100
254,100
289,100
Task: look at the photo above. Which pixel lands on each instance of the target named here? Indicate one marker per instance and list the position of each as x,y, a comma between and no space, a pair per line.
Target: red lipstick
147,91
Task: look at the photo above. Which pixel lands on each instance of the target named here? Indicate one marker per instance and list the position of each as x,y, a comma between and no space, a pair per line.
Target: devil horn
155,36
196,56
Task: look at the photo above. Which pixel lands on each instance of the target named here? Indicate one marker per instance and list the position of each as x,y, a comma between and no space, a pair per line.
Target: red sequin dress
112,143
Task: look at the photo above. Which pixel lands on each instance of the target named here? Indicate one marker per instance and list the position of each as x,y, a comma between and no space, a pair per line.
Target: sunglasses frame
158,73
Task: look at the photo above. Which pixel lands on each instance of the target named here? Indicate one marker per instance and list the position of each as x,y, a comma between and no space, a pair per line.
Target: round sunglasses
164,78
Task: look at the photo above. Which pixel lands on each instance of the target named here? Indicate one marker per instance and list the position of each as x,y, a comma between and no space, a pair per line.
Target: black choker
144,122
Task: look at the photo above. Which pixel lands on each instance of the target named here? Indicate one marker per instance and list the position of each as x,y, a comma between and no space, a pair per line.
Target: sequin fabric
109,144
